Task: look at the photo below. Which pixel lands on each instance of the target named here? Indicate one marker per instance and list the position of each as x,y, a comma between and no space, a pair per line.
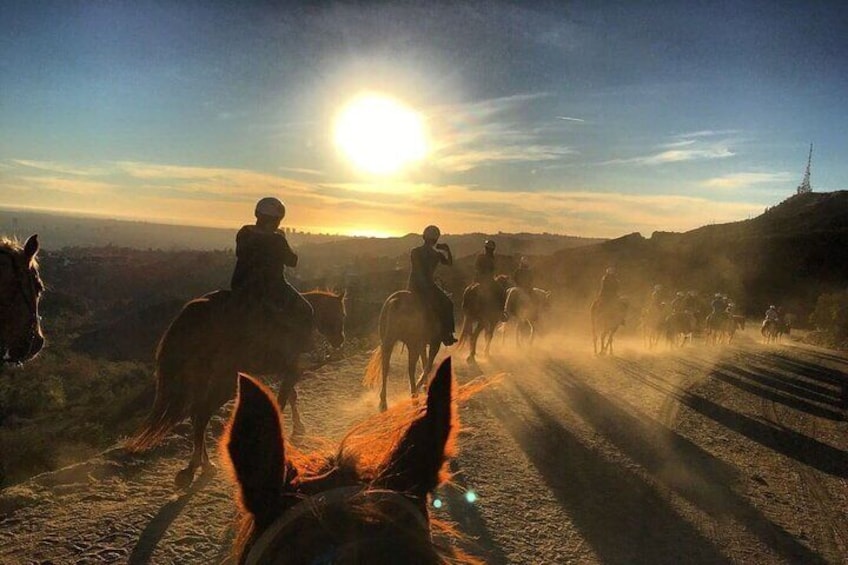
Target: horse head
329,314
20,291
366,503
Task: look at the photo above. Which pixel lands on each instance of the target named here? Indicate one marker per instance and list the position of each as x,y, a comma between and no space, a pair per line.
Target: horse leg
199,421
386,350
412,364
475,335
490,333
288,394
428,367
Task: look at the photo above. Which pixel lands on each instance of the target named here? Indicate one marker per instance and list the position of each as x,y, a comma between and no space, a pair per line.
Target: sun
380,135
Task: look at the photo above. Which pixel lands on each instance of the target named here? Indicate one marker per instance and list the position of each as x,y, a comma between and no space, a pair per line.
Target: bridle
320,502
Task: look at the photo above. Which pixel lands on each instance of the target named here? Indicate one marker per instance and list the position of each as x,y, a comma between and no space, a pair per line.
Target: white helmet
270,207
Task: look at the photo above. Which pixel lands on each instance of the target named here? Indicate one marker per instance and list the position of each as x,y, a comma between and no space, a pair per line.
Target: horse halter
263,548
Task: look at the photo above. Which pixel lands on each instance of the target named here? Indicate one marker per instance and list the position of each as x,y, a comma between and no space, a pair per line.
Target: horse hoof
299,431
184,479
470,360
383,406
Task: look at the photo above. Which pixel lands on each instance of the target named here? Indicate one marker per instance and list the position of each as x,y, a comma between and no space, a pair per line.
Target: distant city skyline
591,119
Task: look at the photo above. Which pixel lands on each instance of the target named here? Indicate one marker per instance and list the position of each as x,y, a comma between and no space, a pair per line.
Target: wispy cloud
744,180
311,172
62,168
489,132
680,150
570,119
224,197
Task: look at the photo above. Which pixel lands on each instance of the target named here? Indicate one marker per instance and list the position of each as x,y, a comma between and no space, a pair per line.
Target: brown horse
404,318
606,319
20,291
680,328
773,330
202,352
483,312
525,311
365,503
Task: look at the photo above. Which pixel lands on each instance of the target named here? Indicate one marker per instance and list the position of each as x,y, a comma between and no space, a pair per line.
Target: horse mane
13,245
365,452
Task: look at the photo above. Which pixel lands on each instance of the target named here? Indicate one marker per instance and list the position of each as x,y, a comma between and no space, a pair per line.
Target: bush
830,316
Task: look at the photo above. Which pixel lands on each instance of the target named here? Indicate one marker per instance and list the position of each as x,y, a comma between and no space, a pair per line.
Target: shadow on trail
780,389
623,518
783,440
159,524
676,462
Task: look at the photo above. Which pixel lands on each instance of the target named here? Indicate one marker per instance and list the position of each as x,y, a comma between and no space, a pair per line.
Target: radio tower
805,187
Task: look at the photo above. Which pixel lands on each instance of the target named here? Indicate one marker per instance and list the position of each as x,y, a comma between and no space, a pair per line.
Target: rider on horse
259,278
484,274
679,302
523,276
772,315
425,258
609,287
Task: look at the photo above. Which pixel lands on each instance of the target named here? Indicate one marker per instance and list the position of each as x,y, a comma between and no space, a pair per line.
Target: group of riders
263,253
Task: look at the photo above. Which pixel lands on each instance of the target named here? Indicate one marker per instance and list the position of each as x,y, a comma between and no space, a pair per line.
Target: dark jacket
424,259
484,267
262,258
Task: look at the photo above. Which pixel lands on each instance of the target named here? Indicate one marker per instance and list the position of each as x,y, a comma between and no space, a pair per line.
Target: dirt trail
705,455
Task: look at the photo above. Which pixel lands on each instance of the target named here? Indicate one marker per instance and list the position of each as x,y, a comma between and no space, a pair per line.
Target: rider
263,253
719,304
609,287
772,315
425,258
679,302
656,297
523,276
484,266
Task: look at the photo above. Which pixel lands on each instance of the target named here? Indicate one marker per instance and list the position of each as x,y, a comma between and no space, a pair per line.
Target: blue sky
588,118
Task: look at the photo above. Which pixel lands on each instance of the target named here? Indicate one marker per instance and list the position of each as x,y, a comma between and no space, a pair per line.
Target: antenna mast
805,187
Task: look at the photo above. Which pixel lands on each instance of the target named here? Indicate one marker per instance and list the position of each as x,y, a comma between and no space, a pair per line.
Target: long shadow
795,379
159,524
623,518
480,542
788,442
678,464
811,371
732,376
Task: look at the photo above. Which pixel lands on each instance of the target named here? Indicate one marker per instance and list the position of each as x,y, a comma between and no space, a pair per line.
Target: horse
483,312
525,310
606,319
773,330
720,327
680,328
653,324
201,353
20,292
366,502
404,318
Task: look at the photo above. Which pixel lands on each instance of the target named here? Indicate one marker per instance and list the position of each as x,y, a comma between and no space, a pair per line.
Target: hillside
789,255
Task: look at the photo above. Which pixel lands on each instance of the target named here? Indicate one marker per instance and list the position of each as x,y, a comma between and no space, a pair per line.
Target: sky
582,118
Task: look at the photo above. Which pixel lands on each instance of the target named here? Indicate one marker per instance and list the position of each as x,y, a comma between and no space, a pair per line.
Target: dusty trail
705,455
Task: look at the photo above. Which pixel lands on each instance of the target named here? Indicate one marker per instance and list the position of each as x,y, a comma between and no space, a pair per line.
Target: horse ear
417,462
256,450
31,247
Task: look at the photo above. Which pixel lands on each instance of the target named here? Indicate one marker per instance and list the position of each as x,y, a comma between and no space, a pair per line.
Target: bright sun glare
380,135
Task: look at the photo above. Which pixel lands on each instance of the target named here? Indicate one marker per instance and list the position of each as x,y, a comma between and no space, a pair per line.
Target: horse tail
382,354
374,369
465,332
171,403
173,387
